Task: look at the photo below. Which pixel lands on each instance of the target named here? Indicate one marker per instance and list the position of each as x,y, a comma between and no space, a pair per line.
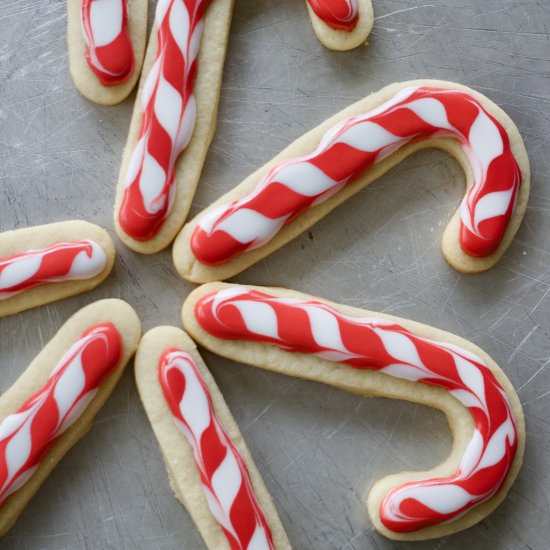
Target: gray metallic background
318,449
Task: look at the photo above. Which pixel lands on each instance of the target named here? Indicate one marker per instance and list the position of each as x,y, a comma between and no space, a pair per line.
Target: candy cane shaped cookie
52,404
106,41
326,166
209,465
341,24
173,121
42,264
375,354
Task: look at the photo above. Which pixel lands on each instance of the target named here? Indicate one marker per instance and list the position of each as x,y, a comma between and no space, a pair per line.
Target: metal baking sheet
318,449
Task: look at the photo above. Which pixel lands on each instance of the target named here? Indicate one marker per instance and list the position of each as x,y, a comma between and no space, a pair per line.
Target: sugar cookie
42,264
340,157
379,355
173,122
52,404
341,24
209,465
106,41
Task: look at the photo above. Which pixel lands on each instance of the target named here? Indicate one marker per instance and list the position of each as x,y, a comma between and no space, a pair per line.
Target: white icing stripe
368,137
76,411
19,271
485,141
259,318
180,26
401,348
19,448
259,540
496,448
304,178
444,499
324,329
492,205
168,107
226,482
69,386
432,111
106,21
187,125
151,183
247,225
194,404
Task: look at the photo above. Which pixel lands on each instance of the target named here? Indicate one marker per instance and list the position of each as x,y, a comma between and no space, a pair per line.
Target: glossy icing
223,473
353,146
338,14
168,113
60,262
29,433
311,327
109,50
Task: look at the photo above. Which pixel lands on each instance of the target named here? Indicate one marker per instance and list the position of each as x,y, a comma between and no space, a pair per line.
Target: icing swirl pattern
168,114
356,144
60,262
109,50
223,473
338,14
28,434
311,327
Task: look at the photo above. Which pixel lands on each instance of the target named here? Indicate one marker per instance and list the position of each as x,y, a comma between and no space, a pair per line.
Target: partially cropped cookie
106,40
379,355
52,404
209,465
45,263
331,163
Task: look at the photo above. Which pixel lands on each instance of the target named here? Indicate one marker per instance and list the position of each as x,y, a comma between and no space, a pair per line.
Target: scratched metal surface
319,449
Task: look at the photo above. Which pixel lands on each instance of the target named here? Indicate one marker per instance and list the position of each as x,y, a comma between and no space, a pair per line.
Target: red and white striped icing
223,473
109,50
356,144
338,14
298,325
28,434
60,262
168,113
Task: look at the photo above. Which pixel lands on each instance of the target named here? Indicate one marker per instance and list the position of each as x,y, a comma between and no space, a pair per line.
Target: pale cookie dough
126,322
178,453
35,238
264,322
188,168
83,77
192,269
342,40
